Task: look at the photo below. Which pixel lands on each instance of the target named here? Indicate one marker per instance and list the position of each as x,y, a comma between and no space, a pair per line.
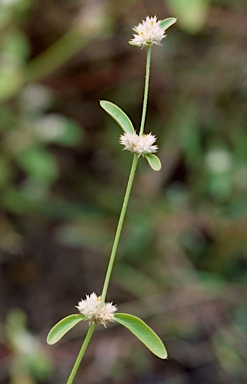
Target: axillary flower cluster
142,145
148,32
95,310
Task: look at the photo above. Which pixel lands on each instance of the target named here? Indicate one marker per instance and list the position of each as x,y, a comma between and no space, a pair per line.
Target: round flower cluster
142,145
95,310
148,33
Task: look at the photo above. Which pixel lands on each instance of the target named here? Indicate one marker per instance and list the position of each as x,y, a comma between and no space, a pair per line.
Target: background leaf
54,128
191,14
143,332
39,164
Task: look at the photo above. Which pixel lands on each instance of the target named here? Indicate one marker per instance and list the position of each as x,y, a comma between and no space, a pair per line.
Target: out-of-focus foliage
28,359
191,14
182,263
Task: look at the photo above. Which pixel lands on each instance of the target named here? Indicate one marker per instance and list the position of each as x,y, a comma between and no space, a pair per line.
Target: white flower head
142,145
148,33
95,310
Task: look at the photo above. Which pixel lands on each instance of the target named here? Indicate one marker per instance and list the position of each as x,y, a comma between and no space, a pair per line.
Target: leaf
55,128
62,327
143,332
39,164
153,161
167,23
118,115
191,13
11,80
5,170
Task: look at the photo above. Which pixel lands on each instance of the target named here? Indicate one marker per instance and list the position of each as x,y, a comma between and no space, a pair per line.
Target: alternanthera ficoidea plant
94,308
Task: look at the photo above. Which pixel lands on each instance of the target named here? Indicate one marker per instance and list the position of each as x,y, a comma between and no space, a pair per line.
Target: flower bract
148,33
141,145
95,310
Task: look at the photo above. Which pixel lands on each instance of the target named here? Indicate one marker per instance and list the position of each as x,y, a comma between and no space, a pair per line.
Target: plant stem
119,227
129,185
81,353
146,86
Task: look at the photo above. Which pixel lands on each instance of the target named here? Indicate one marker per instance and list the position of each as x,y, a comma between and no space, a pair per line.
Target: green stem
56,55
49,60
130,183
81,353
146,86
119,227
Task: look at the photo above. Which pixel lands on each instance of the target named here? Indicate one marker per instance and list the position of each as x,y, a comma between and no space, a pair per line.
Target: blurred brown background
182,261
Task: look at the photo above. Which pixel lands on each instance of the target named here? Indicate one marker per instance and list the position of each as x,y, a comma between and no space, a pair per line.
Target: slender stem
81,353
146,86
130,183
119,227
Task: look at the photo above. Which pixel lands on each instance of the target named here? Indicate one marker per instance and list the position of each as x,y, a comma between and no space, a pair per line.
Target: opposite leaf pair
135,325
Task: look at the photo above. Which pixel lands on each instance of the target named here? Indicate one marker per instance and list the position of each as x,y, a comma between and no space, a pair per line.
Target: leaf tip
62,327
143,332
50,340
153,161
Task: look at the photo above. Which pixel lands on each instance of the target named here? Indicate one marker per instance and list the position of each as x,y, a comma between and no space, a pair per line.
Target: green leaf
118,115
143,332
16,46
153,161
167,23
62,327
55,128
11,80
191,14
39,164
5,170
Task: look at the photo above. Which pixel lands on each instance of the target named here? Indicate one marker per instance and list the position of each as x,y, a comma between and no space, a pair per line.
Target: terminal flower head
95,310
142,145
148,32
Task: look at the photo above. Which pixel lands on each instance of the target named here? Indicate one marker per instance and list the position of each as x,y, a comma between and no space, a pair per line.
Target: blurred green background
182,261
